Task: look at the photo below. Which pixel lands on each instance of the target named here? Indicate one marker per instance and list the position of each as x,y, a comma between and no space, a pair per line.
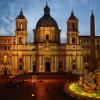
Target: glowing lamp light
32,81
33,95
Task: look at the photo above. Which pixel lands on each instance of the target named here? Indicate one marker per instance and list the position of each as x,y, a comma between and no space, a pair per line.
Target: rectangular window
4,41
8,48
5,47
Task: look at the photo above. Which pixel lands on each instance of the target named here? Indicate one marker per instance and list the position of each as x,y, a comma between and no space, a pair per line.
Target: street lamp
33,81
33,95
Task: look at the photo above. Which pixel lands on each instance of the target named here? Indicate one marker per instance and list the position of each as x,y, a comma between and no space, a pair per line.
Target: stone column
81,64
14,64
40,64
64,61
52,65
24,62
56,63
30,63
65,69
37,63
43,64
17,63
70,64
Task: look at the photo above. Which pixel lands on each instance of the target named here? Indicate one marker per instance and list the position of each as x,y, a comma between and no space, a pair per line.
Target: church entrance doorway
60,68
5,72
47,66
34,68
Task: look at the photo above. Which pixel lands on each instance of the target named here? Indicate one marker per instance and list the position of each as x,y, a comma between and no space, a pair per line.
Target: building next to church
47,53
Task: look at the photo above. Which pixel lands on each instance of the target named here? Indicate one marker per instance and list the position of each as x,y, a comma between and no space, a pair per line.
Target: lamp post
34,85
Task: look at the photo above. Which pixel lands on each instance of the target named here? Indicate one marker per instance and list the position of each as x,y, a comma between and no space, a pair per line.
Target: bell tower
74,50
72,29
21,29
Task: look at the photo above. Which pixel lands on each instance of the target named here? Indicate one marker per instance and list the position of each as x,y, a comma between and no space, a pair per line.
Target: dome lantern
46,9
46,20
21,15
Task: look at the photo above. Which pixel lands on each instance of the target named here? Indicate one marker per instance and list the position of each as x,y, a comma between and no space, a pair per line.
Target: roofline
88,36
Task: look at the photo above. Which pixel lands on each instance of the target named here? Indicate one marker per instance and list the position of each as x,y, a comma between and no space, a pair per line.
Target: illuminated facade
46,53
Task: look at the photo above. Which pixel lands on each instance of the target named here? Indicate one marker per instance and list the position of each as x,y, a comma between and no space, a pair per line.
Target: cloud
84,1
33,10
71,3
7,17
7,26
3,31
5,20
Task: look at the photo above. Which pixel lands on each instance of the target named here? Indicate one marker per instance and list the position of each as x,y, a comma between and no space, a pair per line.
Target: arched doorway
5,71
47,66
60,68
34,68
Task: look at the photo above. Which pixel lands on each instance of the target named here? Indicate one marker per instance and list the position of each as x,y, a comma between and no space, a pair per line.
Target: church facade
47,53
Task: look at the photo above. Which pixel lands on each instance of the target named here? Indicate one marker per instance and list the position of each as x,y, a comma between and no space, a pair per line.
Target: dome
46,20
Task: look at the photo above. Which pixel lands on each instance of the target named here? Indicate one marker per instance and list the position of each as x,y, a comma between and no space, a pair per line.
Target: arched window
60,66
74,67
20,67
73,27
21,27
20,60
14,41
73,60
73,40
20,40
5,59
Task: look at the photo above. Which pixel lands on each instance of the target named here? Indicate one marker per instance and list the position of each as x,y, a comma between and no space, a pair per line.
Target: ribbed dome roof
46,20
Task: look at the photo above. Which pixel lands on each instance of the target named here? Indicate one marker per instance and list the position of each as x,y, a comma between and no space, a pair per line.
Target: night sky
60,11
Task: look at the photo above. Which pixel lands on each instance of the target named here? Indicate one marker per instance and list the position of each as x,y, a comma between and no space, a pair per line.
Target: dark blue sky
60,11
